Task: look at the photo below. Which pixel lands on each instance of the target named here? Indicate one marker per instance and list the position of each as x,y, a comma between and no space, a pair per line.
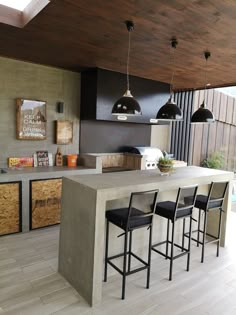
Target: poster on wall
31,119
64,131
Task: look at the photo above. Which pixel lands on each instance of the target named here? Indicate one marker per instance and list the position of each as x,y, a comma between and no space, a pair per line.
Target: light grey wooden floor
30,284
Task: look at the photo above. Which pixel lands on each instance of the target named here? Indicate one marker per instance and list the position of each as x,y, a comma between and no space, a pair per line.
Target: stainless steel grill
151,155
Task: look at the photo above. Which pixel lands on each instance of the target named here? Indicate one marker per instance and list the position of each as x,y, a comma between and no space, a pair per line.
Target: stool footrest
215,239
131,271
185,250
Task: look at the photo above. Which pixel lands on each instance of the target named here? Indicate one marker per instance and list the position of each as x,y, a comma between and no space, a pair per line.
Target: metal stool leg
189,242
167,237
106,250
124,265
204,236
219,233
172,250
149,257
199,226
183,235
130,249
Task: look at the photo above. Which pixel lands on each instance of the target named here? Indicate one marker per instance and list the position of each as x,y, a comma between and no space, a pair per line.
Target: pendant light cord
127,68
207,54
205,80
173,45
172,74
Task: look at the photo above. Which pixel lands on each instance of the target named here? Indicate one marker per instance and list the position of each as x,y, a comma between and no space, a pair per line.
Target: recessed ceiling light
16,4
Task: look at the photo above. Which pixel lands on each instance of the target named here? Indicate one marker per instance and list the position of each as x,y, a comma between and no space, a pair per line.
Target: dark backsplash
104,136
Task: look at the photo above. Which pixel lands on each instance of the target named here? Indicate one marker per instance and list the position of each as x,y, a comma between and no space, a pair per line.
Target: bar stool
213,201
180,209
129,219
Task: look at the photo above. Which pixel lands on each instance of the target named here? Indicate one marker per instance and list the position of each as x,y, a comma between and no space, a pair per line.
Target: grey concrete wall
160,137
30,81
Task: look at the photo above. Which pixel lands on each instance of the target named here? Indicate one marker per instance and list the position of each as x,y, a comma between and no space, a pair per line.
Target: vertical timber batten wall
181,131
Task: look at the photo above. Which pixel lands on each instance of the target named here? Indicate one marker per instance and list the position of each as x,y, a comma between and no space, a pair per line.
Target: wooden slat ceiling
77,34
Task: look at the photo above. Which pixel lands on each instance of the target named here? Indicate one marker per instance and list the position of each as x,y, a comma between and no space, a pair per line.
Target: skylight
16,4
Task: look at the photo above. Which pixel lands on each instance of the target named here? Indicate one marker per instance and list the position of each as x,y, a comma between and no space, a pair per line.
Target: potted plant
165,164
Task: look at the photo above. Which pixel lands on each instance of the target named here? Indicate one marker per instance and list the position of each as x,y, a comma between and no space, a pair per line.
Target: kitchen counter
89,165
29,173
84,201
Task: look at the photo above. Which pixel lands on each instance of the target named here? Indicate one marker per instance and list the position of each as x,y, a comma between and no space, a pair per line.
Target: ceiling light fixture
170,111
203,115
127,105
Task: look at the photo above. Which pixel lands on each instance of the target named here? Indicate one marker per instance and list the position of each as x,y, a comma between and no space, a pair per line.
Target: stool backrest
216,194
186,198
144,201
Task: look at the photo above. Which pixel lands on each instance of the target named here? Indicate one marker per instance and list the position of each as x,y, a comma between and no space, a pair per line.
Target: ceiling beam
19,18
33,9
10,16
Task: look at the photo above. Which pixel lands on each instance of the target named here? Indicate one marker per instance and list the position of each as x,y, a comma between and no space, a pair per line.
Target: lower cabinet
45,202
10,207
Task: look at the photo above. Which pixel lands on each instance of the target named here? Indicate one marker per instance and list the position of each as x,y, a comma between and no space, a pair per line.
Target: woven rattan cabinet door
45,202
10,208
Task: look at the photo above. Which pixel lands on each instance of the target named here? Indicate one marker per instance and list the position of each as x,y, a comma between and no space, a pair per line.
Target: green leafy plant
165,161
215,160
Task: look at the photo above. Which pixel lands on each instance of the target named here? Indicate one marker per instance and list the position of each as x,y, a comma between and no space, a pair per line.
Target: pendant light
127,105
203,115
170,111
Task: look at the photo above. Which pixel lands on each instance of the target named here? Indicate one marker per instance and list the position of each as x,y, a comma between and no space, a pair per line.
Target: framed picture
30,119
64,131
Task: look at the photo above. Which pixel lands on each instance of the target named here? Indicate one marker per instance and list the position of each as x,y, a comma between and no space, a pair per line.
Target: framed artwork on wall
31,119
64,131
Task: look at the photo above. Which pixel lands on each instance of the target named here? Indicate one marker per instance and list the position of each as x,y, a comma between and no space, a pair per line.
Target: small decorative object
64,131
72,160
43,158
59,158
20,162
30,119
165,165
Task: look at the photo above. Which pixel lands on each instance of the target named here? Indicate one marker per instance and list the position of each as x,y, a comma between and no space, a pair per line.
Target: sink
2,171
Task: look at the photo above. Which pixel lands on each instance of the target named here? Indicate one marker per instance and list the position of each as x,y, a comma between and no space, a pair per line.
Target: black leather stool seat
201,202
119,218
166,209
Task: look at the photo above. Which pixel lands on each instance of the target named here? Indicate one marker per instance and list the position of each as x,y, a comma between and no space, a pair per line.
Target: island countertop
153,178
84,200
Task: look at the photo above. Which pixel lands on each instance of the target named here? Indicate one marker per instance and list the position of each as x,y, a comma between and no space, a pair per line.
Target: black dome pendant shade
170,111
203,115
127,105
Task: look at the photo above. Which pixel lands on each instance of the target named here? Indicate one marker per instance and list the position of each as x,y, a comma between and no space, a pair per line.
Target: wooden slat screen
219,136
181,131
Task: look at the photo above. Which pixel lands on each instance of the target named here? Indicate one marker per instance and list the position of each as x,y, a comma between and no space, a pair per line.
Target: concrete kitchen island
84,202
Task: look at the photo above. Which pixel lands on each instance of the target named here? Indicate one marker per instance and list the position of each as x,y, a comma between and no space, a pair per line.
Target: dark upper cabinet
100,89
